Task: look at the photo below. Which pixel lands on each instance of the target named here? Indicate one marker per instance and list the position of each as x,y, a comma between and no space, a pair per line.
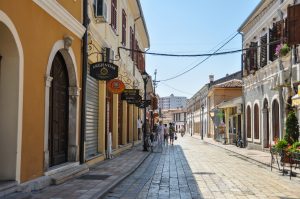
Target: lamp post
145,77
202,108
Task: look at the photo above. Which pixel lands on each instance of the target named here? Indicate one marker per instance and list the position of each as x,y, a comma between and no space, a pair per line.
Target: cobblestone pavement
193,169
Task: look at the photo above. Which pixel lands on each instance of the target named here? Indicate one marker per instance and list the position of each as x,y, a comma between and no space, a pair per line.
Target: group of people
164,133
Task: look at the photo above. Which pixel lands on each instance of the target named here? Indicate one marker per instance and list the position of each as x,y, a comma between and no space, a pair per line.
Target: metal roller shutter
92,107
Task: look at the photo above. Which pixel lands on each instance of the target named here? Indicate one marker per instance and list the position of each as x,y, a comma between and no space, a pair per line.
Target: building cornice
53,8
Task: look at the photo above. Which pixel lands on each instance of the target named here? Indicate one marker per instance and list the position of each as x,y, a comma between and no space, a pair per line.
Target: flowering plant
282,50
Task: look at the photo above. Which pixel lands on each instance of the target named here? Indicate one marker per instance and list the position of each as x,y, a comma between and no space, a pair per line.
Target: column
124,123
115,136
130,122
227,123
102,114
135,117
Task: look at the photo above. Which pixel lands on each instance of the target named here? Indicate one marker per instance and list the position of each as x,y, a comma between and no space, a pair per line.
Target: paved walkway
195,169
256,155
95,183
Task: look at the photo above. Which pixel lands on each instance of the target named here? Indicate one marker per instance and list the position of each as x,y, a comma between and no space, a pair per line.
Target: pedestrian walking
160,133
171,133
166,135
139,127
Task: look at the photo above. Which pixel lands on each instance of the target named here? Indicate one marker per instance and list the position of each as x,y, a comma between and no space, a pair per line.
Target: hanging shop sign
104,71
144,103
130,94
115,86
135,101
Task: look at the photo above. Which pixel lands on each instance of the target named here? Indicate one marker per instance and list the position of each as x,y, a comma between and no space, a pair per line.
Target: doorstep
67,171
8,187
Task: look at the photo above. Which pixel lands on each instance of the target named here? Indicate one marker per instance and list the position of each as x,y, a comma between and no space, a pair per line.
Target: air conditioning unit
100,10
109,55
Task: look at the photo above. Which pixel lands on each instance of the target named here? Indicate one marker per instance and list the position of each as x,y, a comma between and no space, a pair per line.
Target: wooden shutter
248,122
114,14
253,56
131,43
256,122
293,23
263,50
123,27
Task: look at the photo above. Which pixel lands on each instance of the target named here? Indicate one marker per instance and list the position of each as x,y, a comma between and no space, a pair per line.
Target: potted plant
282,50
290,142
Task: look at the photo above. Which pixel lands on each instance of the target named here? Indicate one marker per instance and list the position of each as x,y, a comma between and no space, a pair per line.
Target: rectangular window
123,27
114,14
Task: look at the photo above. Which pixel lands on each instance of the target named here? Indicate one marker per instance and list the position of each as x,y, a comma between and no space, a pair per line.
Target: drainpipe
243,135
84,80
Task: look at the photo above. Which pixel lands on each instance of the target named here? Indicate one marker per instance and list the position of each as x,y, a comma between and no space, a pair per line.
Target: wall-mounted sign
130,94
115,86
136,101
104,71
144,103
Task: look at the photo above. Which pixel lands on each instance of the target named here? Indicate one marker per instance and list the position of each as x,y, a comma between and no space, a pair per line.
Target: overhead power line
208,55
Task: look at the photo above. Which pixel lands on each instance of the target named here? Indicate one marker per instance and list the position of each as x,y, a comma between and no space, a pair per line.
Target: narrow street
194,169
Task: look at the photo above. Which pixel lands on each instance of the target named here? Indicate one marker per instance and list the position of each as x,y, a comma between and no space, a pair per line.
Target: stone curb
101,194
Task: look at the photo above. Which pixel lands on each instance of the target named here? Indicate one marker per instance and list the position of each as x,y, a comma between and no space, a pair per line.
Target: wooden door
59,112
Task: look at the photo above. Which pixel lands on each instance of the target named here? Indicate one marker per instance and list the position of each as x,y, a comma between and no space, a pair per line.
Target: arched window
248,122
256,121
275,119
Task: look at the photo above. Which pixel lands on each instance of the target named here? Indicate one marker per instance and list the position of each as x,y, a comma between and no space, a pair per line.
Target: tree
292,128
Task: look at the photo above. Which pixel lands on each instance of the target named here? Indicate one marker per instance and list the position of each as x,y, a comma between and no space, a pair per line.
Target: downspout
84,79
243,135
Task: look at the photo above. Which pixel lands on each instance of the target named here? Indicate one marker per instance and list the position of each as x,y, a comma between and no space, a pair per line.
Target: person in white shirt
160,133
139,127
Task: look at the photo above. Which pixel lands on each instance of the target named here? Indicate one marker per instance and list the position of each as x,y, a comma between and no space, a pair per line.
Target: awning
231,103
296,100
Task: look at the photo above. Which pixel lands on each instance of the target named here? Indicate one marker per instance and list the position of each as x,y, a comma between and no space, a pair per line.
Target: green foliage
295,147
292,128
281,144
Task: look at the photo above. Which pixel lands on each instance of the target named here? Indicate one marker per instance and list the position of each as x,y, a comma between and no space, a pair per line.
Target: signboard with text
144,103
104,71
130,94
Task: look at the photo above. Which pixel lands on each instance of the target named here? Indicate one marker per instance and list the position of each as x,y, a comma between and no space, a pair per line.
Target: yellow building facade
40,81
114,27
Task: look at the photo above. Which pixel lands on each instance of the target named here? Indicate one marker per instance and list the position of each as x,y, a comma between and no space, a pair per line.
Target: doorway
266,124
9,103
58,112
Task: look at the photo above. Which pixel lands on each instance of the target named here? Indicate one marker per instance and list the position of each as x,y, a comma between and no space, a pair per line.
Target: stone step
64,175
7,187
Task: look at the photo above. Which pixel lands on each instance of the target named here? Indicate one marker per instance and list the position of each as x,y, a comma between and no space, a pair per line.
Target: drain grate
204,173
94,177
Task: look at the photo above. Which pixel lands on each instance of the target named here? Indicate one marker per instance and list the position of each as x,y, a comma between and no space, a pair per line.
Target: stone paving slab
256,155
117,169
191,169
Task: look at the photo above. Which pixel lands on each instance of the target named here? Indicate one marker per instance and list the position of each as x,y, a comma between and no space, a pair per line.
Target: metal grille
92,108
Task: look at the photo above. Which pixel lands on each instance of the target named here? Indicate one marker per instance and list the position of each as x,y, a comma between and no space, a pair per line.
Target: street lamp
145,77
202,108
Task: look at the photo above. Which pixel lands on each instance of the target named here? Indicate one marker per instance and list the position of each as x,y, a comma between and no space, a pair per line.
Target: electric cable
176,89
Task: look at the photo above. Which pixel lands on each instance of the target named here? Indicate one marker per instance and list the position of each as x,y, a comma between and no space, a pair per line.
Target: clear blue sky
193,27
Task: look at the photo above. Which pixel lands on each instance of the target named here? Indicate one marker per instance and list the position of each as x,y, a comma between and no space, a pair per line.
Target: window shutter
293,23
114,14
131,43
263,50
253,56
272,46
123,27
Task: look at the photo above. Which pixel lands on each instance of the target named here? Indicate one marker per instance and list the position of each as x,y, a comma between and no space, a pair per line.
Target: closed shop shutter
92,107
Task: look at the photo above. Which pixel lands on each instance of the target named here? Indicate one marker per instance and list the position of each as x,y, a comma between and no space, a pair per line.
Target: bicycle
148,143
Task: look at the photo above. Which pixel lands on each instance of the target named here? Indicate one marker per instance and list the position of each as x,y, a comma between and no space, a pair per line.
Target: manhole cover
94,177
